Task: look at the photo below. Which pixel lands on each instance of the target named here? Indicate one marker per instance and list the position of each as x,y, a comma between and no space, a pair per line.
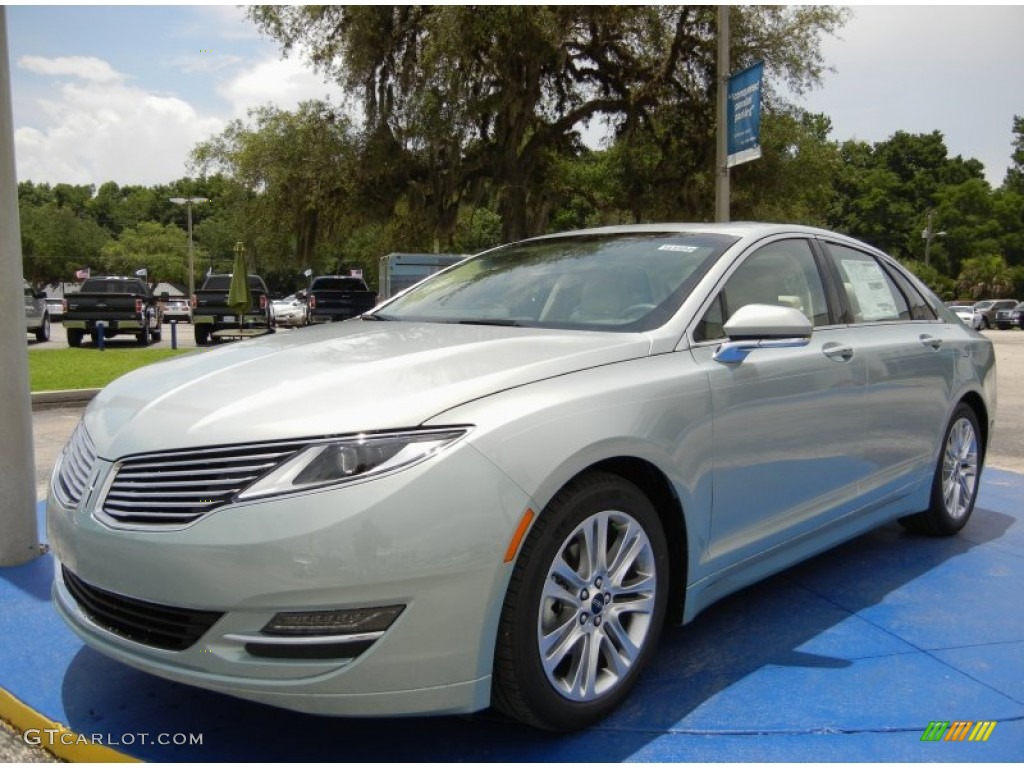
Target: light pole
187,202
929,234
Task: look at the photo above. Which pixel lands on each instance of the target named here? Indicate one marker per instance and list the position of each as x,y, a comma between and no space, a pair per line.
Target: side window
871,293
920,309
782,273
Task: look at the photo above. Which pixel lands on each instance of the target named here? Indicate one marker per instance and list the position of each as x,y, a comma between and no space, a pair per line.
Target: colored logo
958,730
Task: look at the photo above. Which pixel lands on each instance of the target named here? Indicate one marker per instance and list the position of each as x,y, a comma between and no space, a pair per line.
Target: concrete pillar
18,530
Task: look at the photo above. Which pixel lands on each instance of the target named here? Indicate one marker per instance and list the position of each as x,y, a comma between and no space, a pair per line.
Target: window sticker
872,292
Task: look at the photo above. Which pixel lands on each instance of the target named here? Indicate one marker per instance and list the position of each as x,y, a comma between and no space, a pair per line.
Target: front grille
76,463
177,487
159,626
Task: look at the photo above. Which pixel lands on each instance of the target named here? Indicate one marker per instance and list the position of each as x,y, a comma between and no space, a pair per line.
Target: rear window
223,283
113,286
338,284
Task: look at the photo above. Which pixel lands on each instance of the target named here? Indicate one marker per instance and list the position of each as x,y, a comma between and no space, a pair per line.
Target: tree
500,93
986,277
159,248
296,169
55,242
1014,180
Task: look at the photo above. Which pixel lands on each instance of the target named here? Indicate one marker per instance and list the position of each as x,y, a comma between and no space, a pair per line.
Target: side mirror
763,326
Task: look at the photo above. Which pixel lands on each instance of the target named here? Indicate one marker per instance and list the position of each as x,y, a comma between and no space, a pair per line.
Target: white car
496,488
290,312
965,312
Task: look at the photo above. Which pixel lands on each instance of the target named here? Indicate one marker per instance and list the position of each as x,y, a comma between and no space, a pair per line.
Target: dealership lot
847,657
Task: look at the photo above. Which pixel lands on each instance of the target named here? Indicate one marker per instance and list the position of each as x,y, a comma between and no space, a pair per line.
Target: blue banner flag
744,115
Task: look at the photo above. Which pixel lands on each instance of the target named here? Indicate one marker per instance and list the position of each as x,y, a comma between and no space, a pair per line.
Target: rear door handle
840,353
931,341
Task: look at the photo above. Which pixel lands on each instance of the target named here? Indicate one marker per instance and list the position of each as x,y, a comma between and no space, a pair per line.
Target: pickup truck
212,318
122,304
37,316
339,297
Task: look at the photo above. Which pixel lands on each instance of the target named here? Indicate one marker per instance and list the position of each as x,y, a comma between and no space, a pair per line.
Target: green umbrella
239,295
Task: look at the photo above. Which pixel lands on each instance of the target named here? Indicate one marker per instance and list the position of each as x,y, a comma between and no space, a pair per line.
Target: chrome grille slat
179,487
76,463
154,471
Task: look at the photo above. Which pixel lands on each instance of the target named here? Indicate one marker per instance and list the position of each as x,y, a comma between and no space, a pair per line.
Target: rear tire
584,607
75,336
202,334
956,481
143,336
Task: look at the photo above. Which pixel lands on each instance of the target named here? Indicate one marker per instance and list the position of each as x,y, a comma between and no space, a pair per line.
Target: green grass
51,369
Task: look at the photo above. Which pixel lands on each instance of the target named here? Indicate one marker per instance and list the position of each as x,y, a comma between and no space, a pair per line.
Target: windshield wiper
491,321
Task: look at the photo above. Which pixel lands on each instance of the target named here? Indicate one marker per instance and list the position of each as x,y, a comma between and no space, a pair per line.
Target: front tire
956,481
43,331
585,606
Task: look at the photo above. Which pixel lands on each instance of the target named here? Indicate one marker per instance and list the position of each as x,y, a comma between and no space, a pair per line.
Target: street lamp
187,202
929,234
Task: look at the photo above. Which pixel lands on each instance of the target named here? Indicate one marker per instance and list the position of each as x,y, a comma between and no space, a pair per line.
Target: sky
123,92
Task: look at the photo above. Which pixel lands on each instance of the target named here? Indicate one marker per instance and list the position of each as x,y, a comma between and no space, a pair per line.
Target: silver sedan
496,488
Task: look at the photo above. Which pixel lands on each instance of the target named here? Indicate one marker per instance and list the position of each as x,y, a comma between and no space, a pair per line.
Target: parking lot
845,657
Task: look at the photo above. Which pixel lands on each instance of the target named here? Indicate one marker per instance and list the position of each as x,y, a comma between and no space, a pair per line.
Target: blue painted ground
847,657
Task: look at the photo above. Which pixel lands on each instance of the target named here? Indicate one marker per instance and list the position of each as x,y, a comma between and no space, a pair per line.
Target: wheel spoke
630,547
560,643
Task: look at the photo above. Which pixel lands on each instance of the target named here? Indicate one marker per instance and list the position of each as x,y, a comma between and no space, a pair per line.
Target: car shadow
778,623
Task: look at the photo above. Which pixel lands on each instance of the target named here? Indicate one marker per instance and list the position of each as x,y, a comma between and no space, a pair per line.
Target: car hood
337,379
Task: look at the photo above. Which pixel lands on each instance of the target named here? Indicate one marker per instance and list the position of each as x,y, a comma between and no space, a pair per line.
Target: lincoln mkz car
496,488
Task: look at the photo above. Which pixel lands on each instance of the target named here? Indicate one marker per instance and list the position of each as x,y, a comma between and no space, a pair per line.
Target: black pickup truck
213,318
339,297
122,304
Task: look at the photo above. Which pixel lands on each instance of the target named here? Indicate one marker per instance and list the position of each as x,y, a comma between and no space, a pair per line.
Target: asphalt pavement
848,657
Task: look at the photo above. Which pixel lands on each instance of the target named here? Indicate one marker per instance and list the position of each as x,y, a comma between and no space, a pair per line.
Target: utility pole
187,202
722,135
929,234
19,534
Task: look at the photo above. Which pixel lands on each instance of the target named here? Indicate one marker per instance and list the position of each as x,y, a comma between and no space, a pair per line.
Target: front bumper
431,538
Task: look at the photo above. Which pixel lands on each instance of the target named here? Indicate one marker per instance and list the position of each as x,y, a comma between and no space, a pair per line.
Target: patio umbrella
239,295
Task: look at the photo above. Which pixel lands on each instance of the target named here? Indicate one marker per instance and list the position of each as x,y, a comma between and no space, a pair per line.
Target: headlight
354,458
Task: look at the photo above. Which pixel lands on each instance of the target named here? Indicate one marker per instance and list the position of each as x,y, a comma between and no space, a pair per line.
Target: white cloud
84,67
101,130
282,82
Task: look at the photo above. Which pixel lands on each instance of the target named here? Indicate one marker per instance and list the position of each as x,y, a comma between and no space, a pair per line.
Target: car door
787,423
911,360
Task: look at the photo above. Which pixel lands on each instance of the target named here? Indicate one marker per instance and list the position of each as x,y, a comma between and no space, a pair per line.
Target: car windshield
608,282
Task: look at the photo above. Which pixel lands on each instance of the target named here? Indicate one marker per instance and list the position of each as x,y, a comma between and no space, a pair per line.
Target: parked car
497,487
177,308
212,316
37,317
55,306
291,311
965,311
1007,318
985,311
338,297
121,304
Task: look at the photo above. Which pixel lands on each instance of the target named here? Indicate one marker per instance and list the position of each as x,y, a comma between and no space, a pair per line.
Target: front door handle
840,353
930,341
